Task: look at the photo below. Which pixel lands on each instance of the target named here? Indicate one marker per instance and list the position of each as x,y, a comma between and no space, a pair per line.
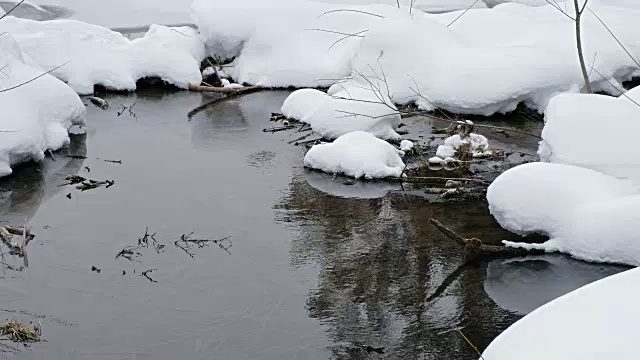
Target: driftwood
224,90
477,247
230,92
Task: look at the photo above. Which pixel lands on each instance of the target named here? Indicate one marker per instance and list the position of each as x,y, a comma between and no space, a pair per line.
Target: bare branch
10,11
622,92
350,10
347,37
615,37
335,32
464,12
557,6
35,78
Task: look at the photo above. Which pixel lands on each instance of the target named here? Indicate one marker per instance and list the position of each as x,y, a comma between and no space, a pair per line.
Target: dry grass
21,333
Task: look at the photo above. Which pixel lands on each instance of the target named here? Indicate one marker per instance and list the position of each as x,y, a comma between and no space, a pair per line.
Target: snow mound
478,146
34,117
406,145
488,62
356,154
588,215
542,197
99,56
594,322
342,111
574,124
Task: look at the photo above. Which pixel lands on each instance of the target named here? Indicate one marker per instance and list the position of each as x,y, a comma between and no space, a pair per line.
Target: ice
96,55
34,117
342,112
597,321
575,124
357,154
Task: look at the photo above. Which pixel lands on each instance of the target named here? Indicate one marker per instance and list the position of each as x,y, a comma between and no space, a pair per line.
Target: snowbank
487,62
587,214
541,197
356,154
340,112
597,321
576,123
34,117
100,56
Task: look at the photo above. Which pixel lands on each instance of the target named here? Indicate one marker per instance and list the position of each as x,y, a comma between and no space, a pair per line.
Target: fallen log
477,247
224,90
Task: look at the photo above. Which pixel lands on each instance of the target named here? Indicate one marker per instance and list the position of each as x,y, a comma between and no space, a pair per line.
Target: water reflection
347,188
380,263
524,284
30,184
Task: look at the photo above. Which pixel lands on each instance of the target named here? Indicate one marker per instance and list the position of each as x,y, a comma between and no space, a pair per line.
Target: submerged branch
477,247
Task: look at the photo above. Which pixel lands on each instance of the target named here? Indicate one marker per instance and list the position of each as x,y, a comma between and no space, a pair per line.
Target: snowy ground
34,117
594,322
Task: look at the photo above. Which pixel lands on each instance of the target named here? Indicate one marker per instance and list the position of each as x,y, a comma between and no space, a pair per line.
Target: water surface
317,270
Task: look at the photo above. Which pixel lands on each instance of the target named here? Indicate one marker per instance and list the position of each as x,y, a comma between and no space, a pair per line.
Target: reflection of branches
186,243
146,274
130,108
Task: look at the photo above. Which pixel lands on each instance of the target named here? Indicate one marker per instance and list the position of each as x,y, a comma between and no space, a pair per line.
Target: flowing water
315,269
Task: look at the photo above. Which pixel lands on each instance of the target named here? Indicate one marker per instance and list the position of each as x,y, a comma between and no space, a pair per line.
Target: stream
312,269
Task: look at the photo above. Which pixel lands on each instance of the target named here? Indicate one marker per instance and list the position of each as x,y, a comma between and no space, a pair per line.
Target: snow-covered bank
576,123
357,154
339,112
487,62
587,214
597,321
36,116
97,55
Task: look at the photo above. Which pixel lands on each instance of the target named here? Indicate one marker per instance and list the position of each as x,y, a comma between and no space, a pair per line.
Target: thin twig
10,11
35,78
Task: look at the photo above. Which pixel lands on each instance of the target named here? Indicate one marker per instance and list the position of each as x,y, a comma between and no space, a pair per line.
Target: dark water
317,269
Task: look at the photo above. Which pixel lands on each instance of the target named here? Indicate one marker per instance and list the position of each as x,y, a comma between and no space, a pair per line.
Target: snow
574,126
97,55
406,145
597,321
487,62
34,117
478,146
339,112
541,197
125,13
208,71
586,214
356,154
